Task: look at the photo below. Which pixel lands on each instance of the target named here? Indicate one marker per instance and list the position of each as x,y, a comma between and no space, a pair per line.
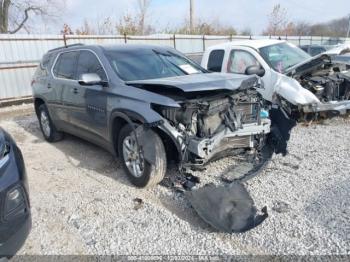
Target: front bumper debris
227,208
341,107
209,147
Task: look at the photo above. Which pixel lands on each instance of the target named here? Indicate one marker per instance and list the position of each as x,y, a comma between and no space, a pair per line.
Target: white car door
237,60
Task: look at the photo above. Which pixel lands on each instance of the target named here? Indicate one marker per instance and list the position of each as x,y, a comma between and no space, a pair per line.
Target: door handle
75,90
49,85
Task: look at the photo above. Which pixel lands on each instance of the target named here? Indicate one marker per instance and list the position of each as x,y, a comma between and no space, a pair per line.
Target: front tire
49,131
139,171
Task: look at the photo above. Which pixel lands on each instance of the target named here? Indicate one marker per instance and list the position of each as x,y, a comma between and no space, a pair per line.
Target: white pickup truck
302,85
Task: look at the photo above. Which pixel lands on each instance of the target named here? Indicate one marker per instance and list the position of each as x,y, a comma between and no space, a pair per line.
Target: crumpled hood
307,64
202,82
292,91
317,60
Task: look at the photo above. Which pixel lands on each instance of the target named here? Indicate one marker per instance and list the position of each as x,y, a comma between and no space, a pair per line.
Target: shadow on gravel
80,153
331,209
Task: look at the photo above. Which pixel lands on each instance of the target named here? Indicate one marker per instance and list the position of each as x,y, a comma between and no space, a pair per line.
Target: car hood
202,82
316,61
308,64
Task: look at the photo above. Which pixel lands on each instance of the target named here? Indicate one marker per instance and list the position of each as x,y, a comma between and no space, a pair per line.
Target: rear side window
215,61
65,66
88,63
42,69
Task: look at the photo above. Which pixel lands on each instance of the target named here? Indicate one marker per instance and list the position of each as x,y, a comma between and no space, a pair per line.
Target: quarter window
88,63
215,61
66,65
239,61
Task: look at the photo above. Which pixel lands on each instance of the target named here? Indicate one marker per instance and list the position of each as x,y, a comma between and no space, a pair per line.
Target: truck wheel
49,131
139,171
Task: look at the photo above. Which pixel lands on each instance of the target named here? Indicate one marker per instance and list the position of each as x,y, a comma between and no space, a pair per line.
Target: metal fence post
203,43
125,38
299,40
65,40
174,40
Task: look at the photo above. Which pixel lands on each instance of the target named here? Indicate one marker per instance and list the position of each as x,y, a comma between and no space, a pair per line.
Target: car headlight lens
15,202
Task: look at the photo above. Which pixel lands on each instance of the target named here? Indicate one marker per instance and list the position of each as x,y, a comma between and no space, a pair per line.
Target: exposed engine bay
213,125
329,82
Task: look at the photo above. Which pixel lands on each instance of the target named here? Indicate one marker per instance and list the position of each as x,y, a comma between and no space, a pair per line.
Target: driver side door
91,100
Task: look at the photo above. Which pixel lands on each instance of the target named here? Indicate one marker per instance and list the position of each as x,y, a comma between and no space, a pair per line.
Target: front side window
283,56
65,66
239,61
88,63
215,60
142,64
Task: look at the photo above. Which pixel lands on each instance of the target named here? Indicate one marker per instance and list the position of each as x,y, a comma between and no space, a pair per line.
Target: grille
249,111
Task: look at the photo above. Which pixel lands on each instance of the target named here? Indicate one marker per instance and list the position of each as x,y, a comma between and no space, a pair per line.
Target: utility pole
191,16
347,35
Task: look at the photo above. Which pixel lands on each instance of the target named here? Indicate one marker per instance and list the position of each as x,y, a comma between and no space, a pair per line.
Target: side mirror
91,79
255,70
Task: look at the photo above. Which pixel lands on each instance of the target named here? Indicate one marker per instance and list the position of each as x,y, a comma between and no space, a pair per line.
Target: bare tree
277,21
302,28
143,6
213,27
246,31
15,14
133,24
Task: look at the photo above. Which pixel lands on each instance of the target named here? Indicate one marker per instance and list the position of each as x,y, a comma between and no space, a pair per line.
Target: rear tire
48,129
147,175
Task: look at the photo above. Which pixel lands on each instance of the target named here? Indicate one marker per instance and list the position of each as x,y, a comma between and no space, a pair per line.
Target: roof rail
62,47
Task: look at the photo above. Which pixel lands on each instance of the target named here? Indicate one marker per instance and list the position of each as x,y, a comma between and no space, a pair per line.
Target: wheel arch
38,101
121,118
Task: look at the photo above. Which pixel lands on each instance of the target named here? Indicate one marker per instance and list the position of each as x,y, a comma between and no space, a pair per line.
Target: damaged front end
326,88
209,127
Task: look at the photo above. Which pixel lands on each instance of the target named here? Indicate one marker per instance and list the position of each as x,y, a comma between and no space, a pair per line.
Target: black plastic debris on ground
226,208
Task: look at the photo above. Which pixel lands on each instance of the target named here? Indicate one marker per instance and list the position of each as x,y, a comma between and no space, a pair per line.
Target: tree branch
25,18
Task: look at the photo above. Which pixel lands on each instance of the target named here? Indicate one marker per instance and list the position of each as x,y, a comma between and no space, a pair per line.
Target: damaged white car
302,85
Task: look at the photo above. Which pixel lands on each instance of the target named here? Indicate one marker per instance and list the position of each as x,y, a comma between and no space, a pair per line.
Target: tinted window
239,61
42,70
215,61
141,64
66,65
88,63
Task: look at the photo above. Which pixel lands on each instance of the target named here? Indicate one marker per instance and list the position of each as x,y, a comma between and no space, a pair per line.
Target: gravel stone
82,202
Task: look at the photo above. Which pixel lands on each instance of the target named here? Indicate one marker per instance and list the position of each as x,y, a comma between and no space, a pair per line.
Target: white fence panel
19,54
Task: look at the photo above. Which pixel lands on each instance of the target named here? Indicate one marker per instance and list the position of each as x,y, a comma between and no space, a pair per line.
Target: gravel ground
82,202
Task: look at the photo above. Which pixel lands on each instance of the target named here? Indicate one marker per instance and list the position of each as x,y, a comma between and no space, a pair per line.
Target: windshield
283,56
143,64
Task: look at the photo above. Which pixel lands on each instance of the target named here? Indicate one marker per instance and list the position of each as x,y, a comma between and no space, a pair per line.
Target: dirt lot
82,202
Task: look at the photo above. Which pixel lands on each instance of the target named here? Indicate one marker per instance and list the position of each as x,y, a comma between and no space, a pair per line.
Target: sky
240,14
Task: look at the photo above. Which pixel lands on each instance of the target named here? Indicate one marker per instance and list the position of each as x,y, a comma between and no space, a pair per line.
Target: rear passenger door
91,101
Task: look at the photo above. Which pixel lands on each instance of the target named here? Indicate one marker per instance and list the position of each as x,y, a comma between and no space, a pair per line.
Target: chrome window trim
76,50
